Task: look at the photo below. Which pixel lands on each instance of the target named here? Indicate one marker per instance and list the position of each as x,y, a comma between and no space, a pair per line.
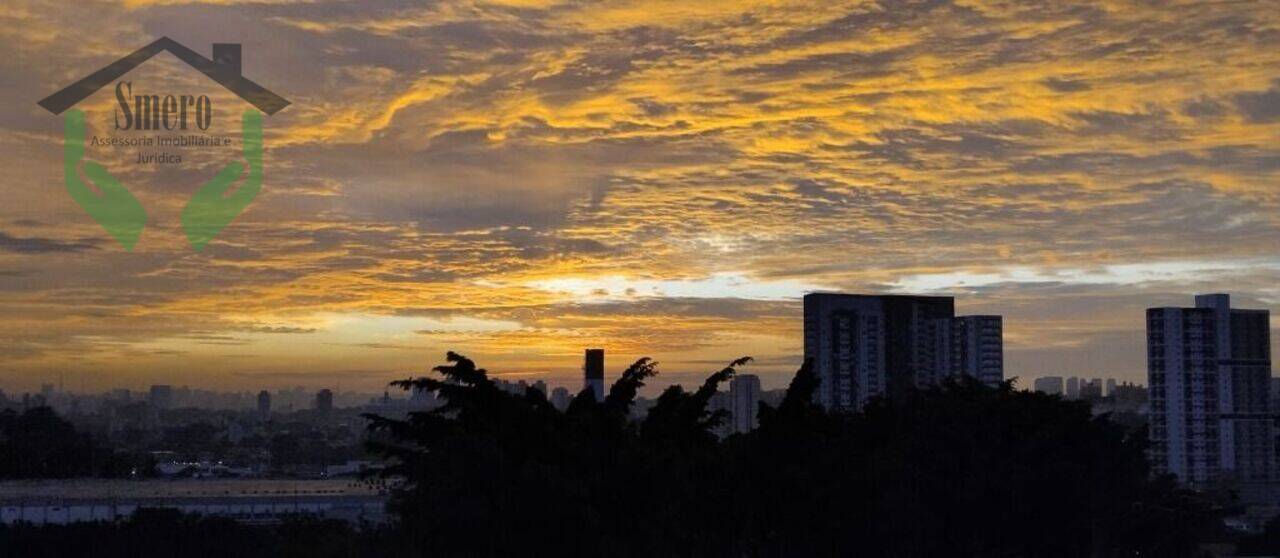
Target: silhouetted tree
38,444
163,532
958,470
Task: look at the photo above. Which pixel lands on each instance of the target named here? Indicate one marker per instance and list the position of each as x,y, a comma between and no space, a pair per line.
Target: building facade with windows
866,346
1209,372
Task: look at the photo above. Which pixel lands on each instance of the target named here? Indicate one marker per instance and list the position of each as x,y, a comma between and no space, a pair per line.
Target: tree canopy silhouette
957,470
38,444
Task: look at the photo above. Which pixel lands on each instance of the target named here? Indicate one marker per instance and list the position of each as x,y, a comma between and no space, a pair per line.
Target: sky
517,180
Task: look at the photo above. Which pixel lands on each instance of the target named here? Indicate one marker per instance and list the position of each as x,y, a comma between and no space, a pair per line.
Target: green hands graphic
210,210
112,206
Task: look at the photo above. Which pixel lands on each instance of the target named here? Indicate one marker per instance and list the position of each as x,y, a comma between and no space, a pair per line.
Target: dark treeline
960,470
167,533
38,444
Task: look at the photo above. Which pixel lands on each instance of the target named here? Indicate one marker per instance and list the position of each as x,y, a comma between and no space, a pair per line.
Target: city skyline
521,180
952,278
965,345
574,379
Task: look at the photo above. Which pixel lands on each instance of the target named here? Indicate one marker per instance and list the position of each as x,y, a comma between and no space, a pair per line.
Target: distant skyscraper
1130,394
1051,385
1073,388
1209,372
744,401
324,401
264,405
720,402
1111,387
865,346
978,348
161,396
593,372
1091,389
541,386
560,398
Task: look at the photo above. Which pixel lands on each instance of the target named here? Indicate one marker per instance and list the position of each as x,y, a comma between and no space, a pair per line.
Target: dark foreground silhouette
168,533
960,470
38,444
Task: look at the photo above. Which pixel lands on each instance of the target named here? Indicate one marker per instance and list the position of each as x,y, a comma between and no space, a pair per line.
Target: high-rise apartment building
161,396
593,372
264,405
1209,372
1091,390
721,404
744,401
324,401
1051,385
865,346
977,348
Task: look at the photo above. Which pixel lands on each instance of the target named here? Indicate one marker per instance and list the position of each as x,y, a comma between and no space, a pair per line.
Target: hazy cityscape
311,448
177,431
722,279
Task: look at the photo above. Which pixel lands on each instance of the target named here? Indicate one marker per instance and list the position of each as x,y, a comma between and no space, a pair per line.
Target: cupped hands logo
217,202
212,208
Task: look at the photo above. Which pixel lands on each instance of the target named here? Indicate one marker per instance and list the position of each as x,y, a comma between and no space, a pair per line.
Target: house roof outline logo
223,68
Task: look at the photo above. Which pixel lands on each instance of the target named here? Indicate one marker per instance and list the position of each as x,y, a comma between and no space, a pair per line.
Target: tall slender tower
977,347
324,402
744,402
264,405
593,373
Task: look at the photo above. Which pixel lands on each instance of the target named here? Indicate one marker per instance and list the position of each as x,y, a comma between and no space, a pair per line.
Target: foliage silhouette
958,470
39,444
165,532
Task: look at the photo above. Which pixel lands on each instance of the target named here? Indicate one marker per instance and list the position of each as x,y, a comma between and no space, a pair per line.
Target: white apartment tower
744,402
1209,371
